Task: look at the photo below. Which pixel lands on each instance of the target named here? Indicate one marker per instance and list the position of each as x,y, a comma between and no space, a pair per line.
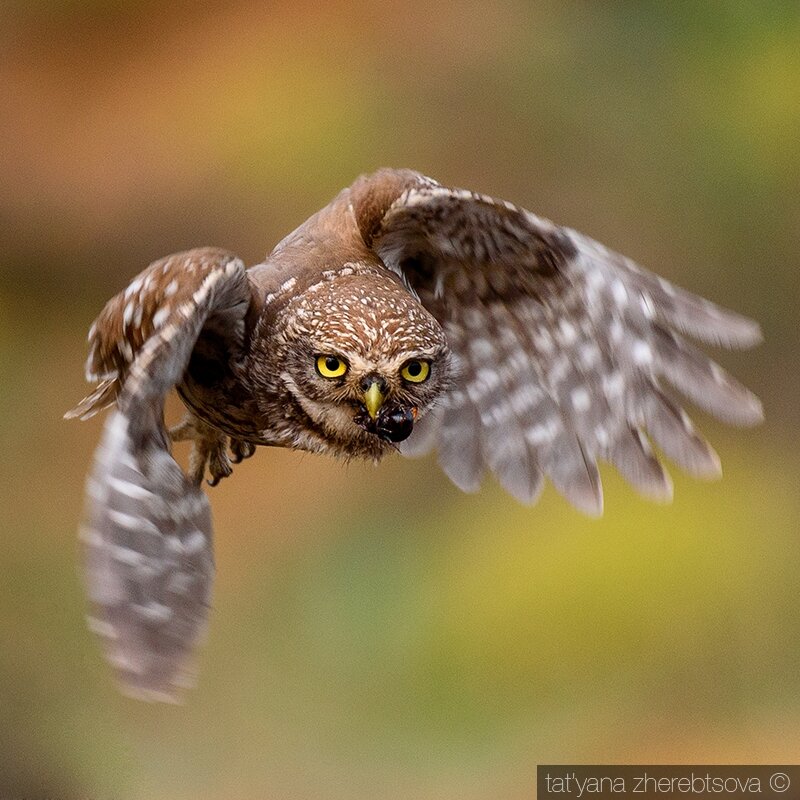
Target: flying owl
402,316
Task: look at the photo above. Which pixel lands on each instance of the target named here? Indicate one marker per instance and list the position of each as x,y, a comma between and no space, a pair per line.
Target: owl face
364,360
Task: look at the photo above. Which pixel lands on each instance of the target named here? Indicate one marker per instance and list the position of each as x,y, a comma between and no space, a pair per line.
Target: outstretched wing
147,527
563,345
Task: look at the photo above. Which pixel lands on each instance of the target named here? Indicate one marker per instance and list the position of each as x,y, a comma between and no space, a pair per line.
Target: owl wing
147,527
563,346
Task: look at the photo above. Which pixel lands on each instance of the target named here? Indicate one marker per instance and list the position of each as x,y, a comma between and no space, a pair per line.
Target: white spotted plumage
548,354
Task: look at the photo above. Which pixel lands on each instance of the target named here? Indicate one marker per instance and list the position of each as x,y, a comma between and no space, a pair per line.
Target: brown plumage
402,315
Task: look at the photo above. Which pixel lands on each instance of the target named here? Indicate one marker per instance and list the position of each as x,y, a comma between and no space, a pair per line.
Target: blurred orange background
376,633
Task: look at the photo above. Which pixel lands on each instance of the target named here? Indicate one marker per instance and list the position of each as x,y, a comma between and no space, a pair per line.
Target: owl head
363,359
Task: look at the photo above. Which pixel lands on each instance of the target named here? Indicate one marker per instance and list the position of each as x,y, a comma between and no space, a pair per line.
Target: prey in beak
392,424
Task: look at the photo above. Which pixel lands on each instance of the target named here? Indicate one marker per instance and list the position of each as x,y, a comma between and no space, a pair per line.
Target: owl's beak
390,422
373,400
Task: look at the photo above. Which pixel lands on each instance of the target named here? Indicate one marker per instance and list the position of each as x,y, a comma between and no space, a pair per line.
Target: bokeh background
376,633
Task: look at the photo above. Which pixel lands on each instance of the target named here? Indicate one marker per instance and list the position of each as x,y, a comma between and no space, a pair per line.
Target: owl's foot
209,450
240,450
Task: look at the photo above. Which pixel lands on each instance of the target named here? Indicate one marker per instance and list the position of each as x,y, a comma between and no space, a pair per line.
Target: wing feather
563,345
147,528
633,457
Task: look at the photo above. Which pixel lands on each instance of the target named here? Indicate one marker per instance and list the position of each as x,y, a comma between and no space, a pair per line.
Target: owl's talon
209,450
219,465
240,450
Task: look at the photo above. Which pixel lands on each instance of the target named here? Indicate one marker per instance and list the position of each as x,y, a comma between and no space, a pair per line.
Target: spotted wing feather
147,527
563,346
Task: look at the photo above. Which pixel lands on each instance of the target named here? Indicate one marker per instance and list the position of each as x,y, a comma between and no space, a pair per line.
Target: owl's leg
209,449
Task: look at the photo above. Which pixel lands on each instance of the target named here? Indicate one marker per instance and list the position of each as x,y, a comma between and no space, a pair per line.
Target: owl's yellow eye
331,366
415,371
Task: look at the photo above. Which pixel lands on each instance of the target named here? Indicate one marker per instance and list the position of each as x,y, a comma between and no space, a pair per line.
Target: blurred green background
375,632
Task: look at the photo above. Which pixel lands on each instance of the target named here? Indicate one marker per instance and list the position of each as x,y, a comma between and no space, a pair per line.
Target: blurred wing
147,528
562,346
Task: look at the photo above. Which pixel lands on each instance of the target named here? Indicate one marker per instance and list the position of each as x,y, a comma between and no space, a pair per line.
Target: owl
404,316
